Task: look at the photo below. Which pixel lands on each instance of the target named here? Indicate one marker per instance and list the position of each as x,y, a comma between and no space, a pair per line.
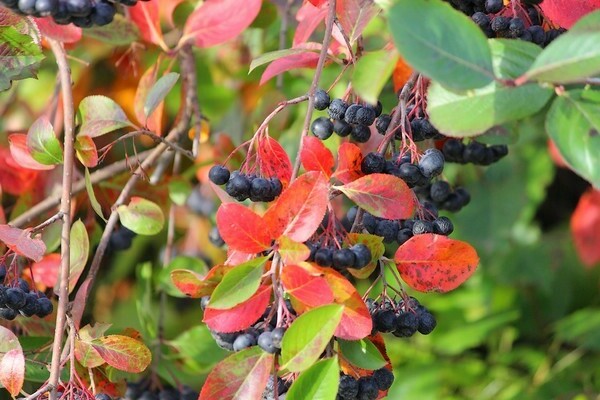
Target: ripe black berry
277,336
421,226
384,321
516,27
8,313
500,24
103,396
403,235
260,189
350,116
27,6
15,298
439,191
406,324
324,257
481,19
365,116
322,99
215,237
537,34
474,153
369,222
373,163
238,186
432,163
265,342
384,378
360,133
343,258
362,254
218,174
348,387
453,150
387,229
337,109
443,226
342,128
224,340
79,8
493,6
45,7
322,128
410,173
499,150
45,307
103,13
23,285
367,389
427,322
382,123
463,196
31,306
243,341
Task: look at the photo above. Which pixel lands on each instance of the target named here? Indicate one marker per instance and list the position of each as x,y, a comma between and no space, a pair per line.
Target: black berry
362,254
384,378
324,257
367,388
337,109
322,128
342,128
443,226
265,342
432,163
321,99
373,163
218,174
382,123
360,133
493,6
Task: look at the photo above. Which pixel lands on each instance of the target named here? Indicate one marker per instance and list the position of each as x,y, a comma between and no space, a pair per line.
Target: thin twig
48,222
153,136
315,83
188,70
65,209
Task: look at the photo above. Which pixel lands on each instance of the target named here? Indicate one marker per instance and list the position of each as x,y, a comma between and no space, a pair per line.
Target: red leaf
21,242
145,15
86,151
300,208
12,362
242,229
309,16
63,33
241,316
566,12
273,160
384,196
193,285
356,321
15,179
46,270
218,21
123,353
354,15
349,160
21,154
585,227
311,290
294,61
556,156
434,263
315,156
241,376
292,252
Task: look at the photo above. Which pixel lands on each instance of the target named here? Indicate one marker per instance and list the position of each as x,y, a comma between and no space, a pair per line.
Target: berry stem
65,209
315,83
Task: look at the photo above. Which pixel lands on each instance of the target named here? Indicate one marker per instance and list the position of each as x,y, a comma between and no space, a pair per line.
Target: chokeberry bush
286,199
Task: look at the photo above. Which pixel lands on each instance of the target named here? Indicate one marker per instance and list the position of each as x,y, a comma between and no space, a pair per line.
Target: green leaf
79,252
179,191
306,339
43,144
362,353
319,382
141,216
20,56
123,353
120,32
442,43
159,91
99,115
573,123
274,55
372,72
92,196
473,112
571,57
238,285
581,328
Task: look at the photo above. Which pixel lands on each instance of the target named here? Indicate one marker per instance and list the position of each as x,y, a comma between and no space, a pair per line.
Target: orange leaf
349,160
310,289
434,263
401,74
585,227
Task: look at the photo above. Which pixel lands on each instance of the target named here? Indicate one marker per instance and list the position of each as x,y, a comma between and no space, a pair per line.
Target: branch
188,71
65,209
315,83
153,136
96,177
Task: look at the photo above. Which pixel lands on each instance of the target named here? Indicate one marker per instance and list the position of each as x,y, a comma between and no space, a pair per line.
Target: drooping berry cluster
430,165
455,150
263,333
401,318
344,119
143,391
81,13
440,195
357,256
243,186
19,299
365,387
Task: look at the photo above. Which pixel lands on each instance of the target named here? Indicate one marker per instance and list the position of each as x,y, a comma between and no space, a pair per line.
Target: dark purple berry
350,116
403,235
348,387
474,153
343,258
432,163
500,24
406,324
440,191
427,323
387,229
265,342
321,99
260,189
384,378
516,27
421,227
324,257
45,307
385,321
367,389
342,128
360,133
15,298
373,163
244,341
382,123
362,255
443,226
453,150
337,109
493,6
322,128
219,175
365,116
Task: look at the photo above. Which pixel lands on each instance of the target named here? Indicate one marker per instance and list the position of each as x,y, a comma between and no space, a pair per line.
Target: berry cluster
142,391
120,239
524,21
357,256
81,13
455,150
440,195
241,186
19,299
344,119
366,387
282,388
430,165
402,318
263,333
